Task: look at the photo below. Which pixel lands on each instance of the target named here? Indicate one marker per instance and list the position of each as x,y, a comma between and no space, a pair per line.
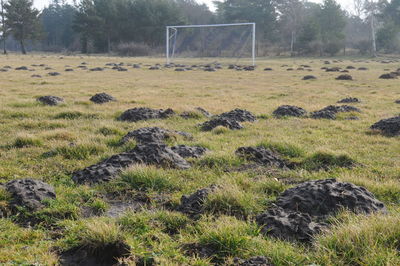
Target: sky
346,4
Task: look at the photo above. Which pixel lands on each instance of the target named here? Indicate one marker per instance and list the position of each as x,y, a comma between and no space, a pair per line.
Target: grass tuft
27,141
285,149
79,152
327,161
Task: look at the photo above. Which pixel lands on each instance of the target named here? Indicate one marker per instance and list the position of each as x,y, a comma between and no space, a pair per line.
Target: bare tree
371,10
3,27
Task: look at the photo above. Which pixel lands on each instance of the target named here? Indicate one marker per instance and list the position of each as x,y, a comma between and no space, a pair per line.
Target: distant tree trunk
373,35
22,46
4,28
108,43
84,43
292,44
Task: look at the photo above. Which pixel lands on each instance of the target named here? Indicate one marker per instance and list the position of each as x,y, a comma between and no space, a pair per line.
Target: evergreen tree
23,21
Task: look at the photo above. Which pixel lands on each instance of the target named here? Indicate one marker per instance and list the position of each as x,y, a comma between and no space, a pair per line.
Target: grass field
35,142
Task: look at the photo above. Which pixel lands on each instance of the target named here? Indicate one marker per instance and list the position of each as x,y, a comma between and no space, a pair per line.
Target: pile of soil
288,225
323,115
308,77
189,151
268,69
22,68
53,74
50,100
333,69
289,110
219,121
330,111
202,111
193,204
388,127
253,261
362,68
388,76
302,211
153,134
102,256
155,68
262,156
101,98
29,193
96,69
239,115
69,70
397,101
350,67
349,100
344,77
143,113
151,154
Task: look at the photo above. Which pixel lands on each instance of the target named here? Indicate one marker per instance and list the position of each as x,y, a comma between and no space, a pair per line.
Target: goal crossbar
168,37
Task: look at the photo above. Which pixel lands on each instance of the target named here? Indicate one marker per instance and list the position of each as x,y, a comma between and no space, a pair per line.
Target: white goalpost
172,34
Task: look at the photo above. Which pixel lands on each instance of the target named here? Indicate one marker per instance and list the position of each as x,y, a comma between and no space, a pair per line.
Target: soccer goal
230,42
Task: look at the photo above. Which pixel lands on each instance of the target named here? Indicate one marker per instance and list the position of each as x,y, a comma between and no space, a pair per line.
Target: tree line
295,26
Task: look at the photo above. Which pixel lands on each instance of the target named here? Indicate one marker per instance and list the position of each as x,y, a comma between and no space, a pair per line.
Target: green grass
51,143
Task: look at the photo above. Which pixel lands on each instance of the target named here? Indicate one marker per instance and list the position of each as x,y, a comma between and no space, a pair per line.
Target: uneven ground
49,143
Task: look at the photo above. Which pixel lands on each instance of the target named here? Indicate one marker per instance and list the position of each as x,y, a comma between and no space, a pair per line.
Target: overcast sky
346,4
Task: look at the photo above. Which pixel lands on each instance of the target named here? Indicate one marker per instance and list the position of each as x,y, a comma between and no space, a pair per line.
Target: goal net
228,43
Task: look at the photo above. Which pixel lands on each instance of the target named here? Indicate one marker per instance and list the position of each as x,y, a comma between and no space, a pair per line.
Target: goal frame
175,28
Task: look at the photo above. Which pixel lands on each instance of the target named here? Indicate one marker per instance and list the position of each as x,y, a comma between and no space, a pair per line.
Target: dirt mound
268,69
288,225
350,67
102,256
253,261
95,69
344,77
152,154
22,68
239,115
143,113
341,109
29,193
321,198
192,204
203,111
388,76
102,98
152,134
53,74
397,101
333,69
308,77
323,115
50,100
349,100
302,211
330,111
362,68
218,121
189,151
389,127
262,156
36,76
289,110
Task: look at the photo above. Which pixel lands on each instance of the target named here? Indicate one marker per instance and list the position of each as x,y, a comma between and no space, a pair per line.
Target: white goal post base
175,29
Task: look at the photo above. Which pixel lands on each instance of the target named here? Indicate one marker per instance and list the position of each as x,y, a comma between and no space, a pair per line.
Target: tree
4,28
57,21
262,12
23,21
291,15
332,22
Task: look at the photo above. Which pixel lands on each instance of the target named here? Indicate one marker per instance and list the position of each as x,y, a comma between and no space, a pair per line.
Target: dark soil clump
218,121
193,204
388,127
189,151
309,77
143,113
29,193
151,154
262,156
253,261
388,76
50,100
289,110
344,77
102,256
239,115
301,212
323,115
152,134
101,98
349,100
288,225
